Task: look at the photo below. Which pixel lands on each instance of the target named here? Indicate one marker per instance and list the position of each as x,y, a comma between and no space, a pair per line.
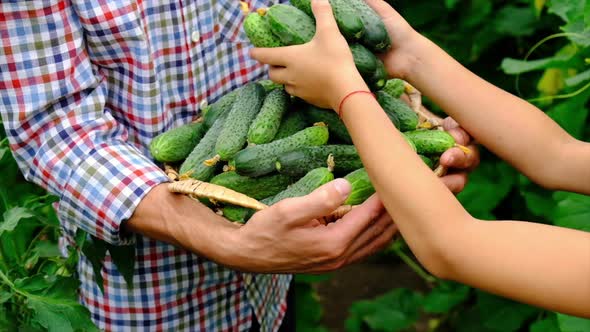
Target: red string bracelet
349,95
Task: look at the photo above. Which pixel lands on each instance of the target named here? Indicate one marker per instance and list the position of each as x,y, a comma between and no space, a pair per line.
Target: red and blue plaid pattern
85,85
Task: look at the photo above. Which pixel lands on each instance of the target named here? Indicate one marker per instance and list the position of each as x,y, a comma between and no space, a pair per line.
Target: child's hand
404,39
322,71
458,163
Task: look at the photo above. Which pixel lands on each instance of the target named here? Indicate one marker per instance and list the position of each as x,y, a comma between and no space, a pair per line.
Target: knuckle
281,210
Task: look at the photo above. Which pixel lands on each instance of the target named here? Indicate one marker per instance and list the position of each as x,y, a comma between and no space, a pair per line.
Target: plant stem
414,266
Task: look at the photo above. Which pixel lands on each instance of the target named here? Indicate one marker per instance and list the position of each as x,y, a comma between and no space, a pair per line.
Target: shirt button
196,36
203,104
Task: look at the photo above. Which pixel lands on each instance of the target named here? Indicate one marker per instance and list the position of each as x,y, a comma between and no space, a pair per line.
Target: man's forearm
179,220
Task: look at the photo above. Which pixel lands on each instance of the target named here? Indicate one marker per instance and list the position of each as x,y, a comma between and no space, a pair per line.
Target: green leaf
571,114
501,314
7,320
548,324
488,185
572,211
35,283
47,249
578,79
12,217
539,201
568,10
515,21
388,320
445,297
307,307
95,252
573,324
397,309
63,316
4,296
514,66
124,258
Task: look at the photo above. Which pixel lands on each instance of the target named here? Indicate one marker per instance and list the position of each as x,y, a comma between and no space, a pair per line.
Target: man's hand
284,238
287,238
458,163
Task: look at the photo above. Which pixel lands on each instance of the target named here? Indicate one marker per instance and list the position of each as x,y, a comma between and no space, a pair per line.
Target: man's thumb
320,203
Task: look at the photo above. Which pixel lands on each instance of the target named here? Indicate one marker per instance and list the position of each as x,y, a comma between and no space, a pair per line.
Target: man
85,86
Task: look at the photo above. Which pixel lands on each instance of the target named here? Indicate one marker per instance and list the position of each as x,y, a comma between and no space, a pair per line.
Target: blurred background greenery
389,292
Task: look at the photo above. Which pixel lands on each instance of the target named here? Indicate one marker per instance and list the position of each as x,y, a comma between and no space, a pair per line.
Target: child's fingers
456,158
460,135
278,75
323,14
455,182
272,56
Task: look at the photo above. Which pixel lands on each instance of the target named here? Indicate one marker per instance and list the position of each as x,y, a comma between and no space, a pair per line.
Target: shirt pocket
229,18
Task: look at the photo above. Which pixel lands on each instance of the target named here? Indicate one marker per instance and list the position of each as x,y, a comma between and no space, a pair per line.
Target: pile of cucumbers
261,142
286,25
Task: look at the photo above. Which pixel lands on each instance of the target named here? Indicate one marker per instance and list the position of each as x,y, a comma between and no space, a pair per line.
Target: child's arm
539,264
510,127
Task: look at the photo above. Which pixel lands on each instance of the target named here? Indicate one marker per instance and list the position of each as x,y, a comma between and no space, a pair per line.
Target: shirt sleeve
61,133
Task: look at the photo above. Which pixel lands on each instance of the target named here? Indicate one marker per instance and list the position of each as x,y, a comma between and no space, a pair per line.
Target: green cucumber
365,61
300,161
258,31
395,87
376,38
257,188
304,186
292,123
176,144
303,5
330,118
220,107
269,85
266,124
236,213
235,130
410,142
429,162
194,163
348,20
260,159
379,78
362,188
431,142
408,119
291,25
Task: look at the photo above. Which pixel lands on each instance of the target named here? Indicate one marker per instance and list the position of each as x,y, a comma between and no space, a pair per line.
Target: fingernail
343,187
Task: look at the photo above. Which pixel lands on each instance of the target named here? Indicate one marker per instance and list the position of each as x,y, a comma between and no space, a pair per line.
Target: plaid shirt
85,85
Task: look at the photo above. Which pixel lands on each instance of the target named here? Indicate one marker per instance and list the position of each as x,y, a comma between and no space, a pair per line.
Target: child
539,264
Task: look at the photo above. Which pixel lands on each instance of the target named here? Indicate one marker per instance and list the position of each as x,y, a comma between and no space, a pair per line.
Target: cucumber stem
463,148
331,162
213,161
262,11
245,7
228,168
